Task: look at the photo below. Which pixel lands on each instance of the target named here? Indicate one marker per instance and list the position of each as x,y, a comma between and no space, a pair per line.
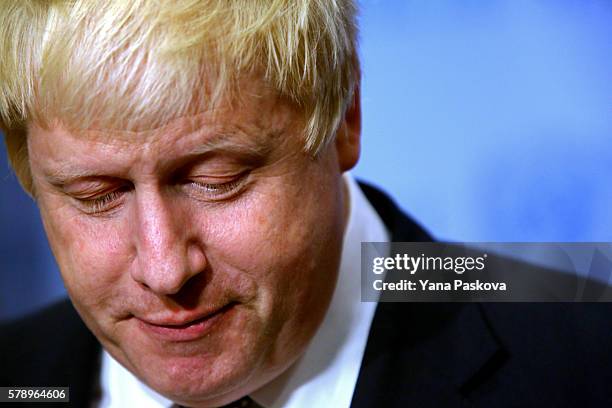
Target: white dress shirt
327,372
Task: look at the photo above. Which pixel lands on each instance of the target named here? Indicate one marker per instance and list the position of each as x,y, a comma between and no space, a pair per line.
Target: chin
204,387
200,379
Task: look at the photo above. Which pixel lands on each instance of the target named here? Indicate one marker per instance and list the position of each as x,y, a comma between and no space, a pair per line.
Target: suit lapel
422,354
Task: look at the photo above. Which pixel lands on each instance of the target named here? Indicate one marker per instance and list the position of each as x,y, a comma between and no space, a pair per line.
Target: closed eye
102,203
216,188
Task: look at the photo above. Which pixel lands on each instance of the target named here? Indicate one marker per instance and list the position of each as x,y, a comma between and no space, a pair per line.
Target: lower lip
187,332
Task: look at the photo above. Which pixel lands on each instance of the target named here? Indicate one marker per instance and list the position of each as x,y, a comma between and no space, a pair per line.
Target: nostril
189,295
144,285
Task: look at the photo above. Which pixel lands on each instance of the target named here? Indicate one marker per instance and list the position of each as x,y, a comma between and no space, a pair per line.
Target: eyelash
101,204
219,191
214,192
220,188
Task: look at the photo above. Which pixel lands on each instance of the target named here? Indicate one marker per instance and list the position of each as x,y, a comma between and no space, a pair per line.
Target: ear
348,137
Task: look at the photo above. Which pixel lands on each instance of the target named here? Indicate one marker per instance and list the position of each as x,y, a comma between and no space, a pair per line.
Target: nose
168,254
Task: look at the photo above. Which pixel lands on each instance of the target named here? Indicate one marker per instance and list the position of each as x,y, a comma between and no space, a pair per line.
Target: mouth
186,329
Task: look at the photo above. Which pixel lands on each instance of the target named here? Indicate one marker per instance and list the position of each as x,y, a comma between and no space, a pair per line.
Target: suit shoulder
562,349
39,323
401,226
583,323
45,347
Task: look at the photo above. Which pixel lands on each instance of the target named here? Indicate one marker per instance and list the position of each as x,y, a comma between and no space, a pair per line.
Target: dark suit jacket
417,355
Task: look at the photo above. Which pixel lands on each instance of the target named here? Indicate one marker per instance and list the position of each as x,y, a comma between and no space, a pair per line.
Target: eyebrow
224,143
253,152
66,175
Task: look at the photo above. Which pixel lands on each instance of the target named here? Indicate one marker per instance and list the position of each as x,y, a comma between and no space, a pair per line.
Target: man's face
203,254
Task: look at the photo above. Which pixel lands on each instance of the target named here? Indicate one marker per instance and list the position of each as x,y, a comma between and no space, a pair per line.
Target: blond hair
135,65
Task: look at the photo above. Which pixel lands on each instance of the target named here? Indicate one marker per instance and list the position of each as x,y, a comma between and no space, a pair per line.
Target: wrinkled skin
220,217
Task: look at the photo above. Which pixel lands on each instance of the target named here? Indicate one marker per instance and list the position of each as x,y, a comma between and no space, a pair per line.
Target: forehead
251,126
250,101
251,116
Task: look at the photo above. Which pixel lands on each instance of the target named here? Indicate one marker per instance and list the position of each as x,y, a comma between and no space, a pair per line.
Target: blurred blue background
486,120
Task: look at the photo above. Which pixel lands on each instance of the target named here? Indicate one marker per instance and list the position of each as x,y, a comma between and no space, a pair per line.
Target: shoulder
555,352
42,320
486,354
400,225
569,335
52,347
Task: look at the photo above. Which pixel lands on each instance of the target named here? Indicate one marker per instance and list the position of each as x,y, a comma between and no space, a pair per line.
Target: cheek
287,236
92,256
271,231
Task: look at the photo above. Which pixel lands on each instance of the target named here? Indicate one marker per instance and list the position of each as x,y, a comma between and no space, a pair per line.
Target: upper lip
182,319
